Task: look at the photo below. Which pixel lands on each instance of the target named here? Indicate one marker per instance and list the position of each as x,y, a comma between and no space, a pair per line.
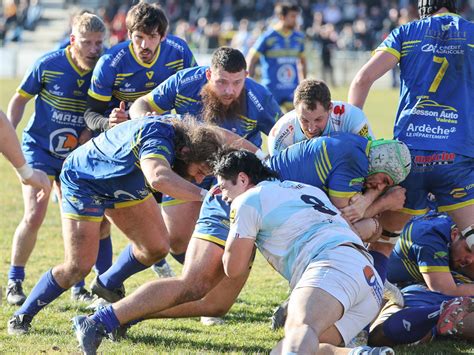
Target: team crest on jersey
149,74
459,192
286,74
80,82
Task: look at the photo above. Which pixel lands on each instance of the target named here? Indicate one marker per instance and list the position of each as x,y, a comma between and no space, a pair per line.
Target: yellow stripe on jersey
24,94
209,238
389,50
154,156
153,105
77,217
131,203
342,194
98,96
455,206
425,269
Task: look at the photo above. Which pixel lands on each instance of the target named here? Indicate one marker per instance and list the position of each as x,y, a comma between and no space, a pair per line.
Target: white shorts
348,275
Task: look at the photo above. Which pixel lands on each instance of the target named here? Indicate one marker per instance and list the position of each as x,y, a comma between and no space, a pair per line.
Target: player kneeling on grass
335,288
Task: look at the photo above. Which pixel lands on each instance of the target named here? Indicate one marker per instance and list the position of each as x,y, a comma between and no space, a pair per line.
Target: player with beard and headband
220,94
132,69
59,80
281,54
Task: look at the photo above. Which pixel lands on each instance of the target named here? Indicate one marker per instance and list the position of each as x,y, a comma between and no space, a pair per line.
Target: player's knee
217,310
157,251
33,219
179,244
76,271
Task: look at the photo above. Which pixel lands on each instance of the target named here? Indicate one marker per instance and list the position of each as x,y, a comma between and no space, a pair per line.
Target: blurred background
339,34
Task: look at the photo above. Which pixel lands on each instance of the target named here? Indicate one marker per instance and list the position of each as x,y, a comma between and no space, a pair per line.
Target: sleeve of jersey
279,138
270,115
103,79
32,81
392,44
213,221
161,99
259,47
357,123
245,218
347,178
157,148
432,256
302,55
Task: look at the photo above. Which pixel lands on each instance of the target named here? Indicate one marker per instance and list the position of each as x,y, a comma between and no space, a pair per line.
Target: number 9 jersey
436,108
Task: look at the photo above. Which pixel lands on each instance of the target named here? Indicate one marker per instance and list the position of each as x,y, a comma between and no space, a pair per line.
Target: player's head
87,39
389,163
313,106
195,144
287,14
239,170
147,25
222,95
461,255
430,7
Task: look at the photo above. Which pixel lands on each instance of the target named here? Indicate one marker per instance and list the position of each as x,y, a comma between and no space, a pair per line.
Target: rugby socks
411,324
104,259
16,273
179,257
106,317
161,262
380,264
44,292
125,266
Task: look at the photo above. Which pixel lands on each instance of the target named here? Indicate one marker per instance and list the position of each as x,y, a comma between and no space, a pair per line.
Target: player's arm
252,60
235,141
377,66
94,115
16,108
237,255
302,68
443,282
161,177
10,147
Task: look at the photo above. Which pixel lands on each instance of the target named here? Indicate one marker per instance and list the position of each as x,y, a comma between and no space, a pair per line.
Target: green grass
247,325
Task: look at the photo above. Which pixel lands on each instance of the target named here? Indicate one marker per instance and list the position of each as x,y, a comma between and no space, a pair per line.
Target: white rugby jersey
291,224
343,117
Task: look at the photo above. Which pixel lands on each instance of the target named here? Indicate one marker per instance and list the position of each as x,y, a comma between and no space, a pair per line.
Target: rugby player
132,69
59,80
110,175
280,51
434,117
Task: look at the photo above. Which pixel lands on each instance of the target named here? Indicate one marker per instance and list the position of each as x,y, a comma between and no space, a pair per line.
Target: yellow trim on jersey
426,269
405,245
153,105
184,98
209,238
51,178
342,194
98,96
367,147
254,52
128,96
24,94
455,206
392,51
130,47
326,156
447,13
470,45
73,65
131,203
78,217
154,156
414,212
173,202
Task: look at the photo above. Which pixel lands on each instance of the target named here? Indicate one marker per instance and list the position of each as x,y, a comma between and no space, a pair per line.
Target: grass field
247,325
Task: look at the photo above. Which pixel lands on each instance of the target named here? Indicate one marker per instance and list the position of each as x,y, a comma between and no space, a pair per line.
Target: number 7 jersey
436,108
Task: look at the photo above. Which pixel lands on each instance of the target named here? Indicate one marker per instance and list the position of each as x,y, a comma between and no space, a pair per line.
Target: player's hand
118,115
354,212
85,136
395,198
40,181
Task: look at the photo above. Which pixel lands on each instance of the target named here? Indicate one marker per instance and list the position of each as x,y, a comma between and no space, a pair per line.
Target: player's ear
72,38
208,73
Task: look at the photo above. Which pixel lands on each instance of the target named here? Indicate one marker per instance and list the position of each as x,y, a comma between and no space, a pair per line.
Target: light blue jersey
292,223
436,108
343,117
279,54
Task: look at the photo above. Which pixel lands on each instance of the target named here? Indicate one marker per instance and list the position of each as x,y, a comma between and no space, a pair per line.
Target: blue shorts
207,183
420,296
87,199
42,160
448,176
213,223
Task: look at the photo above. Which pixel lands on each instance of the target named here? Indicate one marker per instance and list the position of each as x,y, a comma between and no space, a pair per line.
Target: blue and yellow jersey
279,54
182,92
117,152
60,88
436,108
121,76
423,247
338,164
